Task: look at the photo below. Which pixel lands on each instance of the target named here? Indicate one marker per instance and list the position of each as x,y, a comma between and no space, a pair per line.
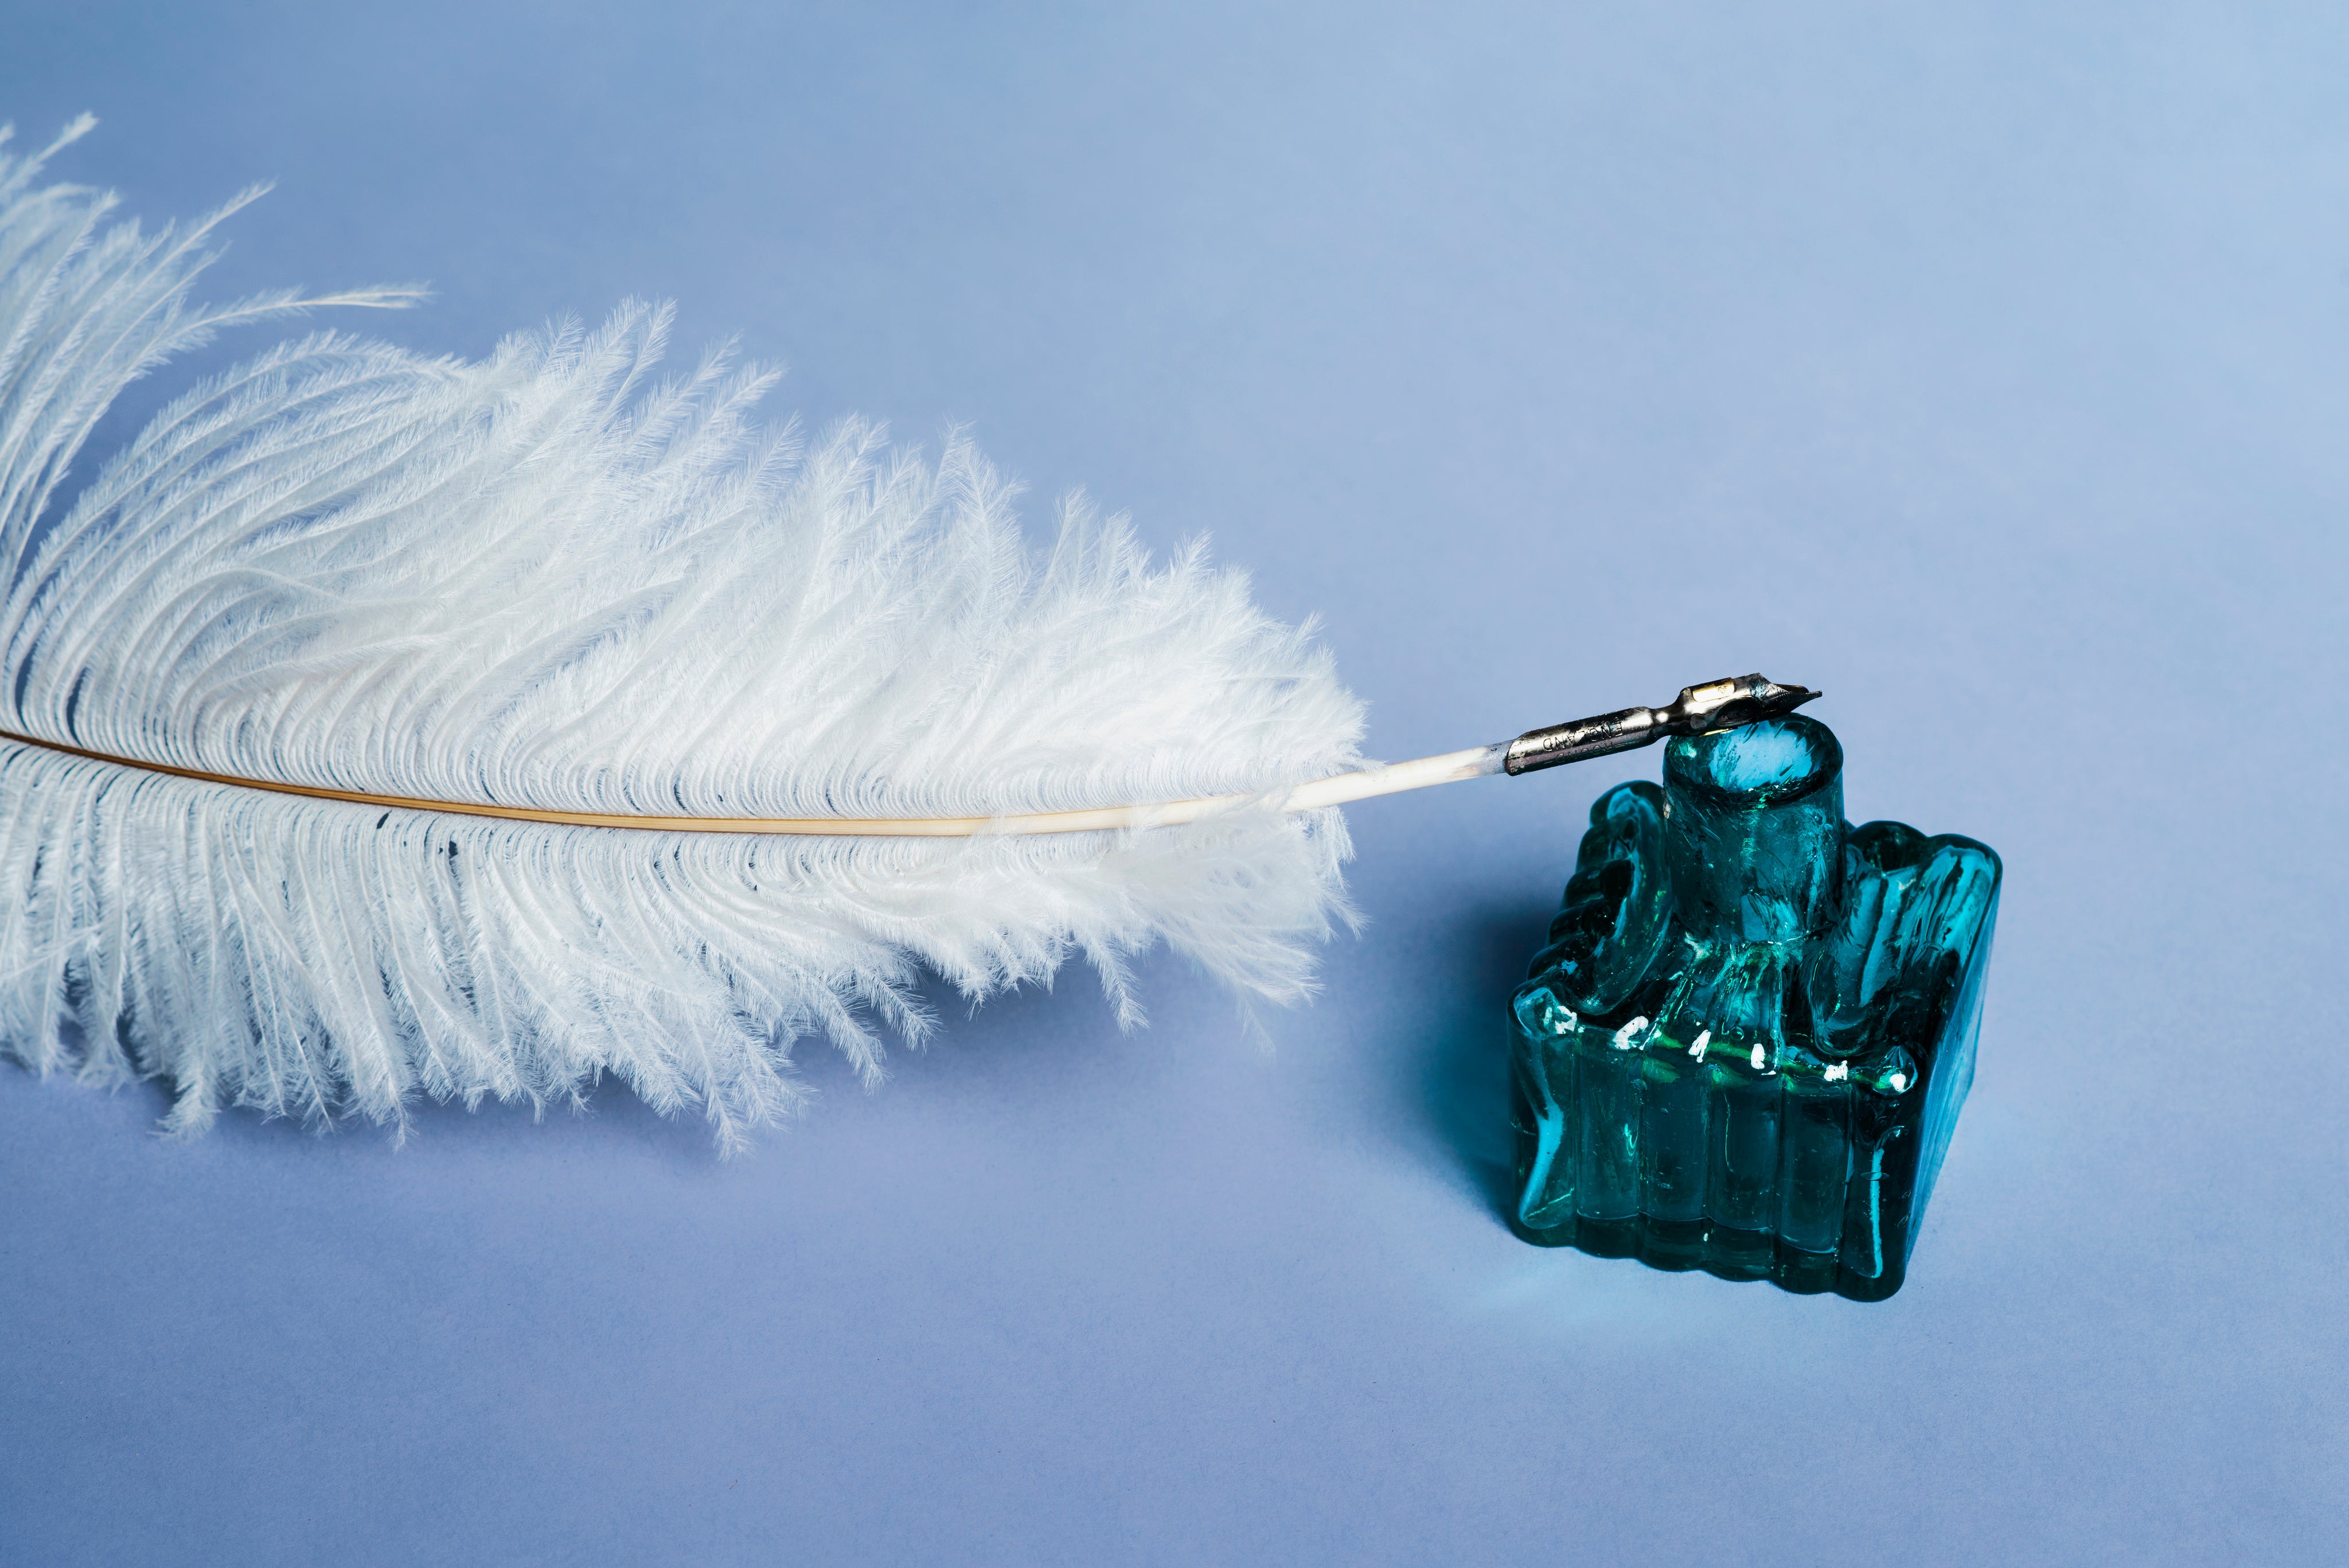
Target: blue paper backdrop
1980,364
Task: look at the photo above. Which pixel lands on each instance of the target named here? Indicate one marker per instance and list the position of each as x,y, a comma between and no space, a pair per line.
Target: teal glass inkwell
1747,1044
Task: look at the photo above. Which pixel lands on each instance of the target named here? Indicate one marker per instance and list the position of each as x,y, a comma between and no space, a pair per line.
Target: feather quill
550,578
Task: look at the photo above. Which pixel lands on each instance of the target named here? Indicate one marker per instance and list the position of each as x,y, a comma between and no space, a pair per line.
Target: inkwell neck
1753,830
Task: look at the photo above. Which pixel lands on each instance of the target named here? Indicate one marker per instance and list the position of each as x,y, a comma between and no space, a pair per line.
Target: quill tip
1728,704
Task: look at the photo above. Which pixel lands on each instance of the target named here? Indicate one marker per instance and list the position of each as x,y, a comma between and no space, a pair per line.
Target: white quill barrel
552,582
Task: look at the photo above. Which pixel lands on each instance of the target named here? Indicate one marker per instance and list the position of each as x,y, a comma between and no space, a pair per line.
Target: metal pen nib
1724,704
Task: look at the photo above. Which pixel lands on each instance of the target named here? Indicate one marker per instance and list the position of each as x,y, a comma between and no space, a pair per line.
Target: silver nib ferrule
1715,705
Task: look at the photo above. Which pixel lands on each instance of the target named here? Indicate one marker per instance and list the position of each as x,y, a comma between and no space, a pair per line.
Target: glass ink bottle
1747,1045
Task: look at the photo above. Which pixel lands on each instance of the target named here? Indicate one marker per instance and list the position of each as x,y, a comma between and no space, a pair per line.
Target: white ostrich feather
547,579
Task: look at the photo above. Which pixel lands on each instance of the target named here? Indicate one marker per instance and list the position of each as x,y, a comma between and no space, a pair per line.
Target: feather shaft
1314,795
